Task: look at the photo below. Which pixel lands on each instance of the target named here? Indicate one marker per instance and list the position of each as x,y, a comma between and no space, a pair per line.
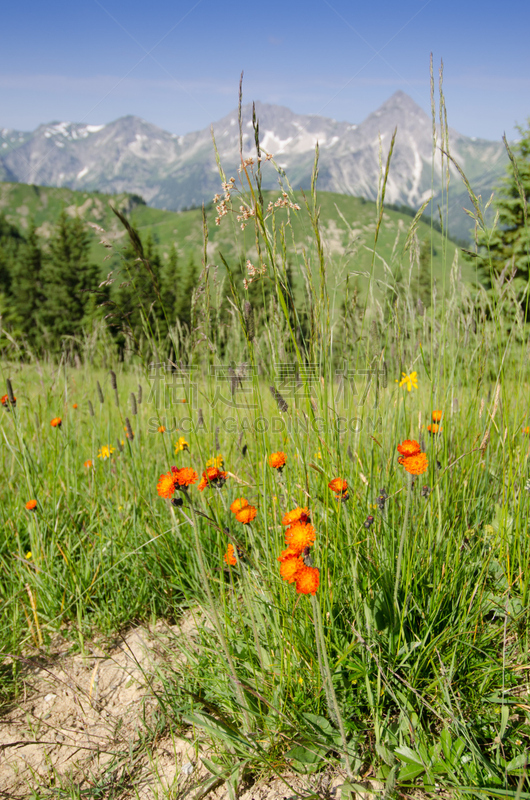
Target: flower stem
325,672
402,542
215,619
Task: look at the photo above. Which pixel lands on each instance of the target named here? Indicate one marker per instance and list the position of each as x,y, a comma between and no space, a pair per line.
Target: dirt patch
81,714
86,721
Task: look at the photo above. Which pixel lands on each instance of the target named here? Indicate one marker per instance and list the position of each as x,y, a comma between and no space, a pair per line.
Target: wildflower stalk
325,672
402,541
246,579
215,617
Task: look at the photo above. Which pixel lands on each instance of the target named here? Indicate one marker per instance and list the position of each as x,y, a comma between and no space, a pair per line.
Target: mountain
175,172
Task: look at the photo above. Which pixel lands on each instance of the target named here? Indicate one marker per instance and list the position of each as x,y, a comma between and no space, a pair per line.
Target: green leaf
518,763
306,757
321,724
410,771
447,745
404,753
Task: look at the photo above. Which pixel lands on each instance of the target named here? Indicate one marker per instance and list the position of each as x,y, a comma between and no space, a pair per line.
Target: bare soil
86,721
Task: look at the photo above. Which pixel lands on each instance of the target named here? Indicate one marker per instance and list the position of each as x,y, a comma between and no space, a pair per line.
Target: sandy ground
82,722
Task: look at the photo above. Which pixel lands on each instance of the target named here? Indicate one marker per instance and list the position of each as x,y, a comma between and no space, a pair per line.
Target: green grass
411,660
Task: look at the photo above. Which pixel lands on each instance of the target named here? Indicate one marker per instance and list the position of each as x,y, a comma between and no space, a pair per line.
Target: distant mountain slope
174,172
348,226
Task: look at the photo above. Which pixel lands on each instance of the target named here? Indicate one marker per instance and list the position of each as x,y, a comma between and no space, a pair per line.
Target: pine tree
27,294
68,279
189,282
509,242
421,285
170,285
10,242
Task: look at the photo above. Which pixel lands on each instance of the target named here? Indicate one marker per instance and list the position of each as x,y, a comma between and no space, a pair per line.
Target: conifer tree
188,282
510,241
10,242
421,287
68,279
27,294
170,285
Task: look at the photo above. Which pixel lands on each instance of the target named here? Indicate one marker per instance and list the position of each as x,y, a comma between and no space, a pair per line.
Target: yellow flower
215,462
28,555
410,381
318,455
182,444
105,451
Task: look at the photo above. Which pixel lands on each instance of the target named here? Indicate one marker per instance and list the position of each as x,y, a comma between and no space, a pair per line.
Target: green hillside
347,223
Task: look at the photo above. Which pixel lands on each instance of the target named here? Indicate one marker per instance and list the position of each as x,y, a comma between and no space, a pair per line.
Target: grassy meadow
391,641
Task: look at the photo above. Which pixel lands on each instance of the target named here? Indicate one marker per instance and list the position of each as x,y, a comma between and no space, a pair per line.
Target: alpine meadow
266,487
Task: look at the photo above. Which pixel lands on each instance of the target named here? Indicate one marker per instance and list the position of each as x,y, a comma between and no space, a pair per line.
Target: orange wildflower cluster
88,463
299,537
436,416
5,401
296,515
31,505
56,422
229,556
213,476
414,461
277,460
434,429
166,485
340,487
182,477
243,511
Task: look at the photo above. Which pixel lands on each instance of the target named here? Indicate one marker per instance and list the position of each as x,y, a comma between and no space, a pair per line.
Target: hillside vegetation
348,230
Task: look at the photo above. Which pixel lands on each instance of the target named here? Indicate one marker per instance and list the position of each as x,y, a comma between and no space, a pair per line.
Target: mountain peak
402,103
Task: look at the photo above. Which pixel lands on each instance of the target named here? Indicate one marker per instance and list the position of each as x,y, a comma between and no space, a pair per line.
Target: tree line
51,291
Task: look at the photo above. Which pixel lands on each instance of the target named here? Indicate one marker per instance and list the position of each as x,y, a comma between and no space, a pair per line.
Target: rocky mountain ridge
174,172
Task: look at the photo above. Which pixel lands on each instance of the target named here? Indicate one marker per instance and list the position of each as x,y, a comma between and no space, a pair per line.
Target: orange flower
246,515
434,429
229,556
299,536
290,568
5,401
31,505
56,422
416,465
277,460
88,463
285,554
238,504
338,485
166,485
185,476
161,429
436,416
74,405
307,580
526,431
213,476
408,448
296,515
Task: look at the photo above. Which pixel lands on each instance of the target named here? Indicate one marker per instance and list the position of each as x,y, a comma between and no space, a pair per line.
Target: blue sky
177,64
